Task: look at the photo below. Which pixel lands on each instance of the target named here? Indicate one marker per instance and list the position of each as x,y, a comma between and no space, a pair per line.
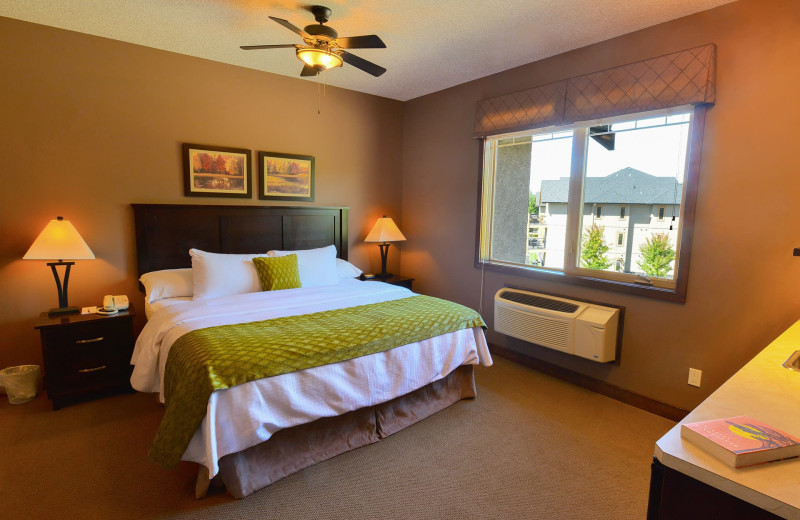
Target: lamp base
58,311
384,276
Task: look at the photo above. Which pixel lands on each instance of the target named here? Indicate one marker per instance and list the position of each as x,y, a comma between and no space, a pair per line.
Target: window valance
676,79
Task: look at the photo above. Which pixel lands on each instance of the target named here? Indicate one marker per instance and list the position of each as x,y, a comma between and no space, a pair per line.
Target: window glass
525,230
643,165
634,167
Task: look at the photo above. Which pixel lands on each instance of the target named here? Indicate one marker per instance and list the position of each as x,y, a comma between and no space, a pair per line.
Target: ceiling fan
324,49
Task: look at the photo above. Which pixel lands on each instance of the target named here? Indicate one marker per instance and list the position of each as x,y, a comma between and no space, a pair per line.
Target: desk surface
764,390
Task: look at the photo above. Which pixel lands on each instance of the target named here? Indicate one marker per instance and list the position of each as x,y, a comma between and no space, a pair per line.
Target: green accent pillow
277,272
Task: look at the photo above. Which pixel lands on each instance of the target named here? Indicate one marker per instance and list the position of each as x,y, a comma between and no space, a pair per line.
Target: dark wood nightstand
402,281
86,355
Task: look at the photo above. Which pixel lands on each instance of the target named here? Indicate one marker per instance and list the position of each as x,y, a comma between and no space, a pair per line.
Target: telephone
115,303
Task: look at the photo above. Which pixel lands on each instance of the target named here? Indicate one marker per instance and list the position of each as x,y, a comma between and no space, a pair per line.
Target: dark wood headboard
166,232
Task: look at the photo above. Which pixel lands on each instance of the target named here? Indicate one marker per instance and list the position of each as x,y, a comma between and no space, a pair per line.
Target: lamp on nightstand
60,240
384,231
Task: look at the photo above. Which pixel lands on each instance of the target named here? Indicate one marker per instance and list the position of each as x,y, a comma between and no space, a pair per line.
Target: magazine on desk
741,441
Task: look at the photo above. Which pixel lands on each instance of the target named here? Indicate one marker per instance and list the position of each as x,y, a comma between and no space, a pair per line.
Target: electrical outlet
694,376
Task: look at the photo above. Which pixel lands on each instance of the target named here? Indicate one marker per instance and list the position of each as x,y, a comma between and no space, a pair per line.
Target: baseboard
590,383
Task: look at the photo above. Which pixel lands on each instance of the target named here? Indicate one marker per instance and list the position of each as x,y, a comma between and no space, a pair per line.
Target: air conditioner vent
538,301
583,329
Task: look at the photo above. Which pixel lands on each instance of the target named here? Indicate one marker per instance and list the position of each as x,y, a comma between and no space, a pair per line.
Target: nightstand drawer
94,333
87,364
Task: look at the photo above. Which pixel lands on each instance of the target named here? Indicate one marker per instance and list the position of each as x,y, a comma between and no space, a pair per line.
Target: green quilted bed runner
214,358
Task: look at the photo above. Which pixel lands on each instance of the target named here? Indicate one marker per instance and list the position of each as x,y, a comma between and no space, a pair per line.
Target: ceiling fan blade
308,70
280,46
369,41
291,27
361,63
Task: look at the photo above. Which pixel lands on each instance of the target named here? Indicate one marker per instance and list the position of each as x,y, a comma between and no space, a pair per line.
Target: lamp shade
59,240
384,230
320,59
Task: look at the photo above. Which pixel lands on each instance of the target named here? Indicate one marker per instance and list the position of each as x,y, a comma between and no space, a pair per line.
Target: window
634,163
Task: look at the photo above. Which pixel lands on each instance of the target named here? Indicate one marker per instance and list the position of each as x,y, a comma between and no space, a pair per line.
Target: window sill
647,291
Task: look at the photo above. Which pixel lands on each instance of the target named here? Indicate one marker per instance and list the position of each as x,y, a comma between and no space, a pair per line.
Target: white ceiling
431,45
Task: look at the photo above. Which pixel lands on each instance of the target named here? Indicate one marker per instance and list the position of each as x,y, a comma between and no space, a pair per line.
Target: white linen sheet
247,414
151,308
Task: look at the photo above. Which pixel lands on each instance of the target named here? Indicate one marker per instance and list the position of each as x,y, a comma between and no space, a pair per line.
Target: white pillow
317,266
216,274
168,283
345,269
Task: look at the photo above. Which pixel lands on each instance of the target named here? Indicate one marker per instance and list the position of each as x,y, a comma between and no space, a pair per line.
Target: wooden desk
764,390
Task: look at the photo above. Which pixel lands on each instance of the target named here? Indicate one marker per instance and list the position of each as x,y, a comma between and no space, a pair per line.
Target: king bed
259,384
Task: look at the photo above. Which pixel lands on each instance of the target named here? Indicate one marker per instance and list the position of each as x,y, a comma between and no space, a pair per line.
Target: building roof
626,186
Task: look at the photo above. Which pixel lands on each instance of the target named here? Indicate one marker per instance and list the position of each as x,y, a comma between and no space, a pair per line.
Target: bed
253,432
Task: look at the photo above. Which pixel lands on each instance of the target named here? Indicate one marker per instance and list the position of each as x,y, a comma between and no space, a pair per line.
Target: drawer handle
93,340
95,369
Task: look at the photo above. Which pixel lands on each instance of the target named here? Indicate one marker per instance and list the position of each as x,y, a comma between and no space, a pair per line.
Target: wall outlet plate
694,376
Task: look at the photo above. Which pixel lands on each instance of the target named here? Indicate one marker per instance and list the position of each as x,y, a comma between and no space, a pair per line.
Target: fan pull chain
321,89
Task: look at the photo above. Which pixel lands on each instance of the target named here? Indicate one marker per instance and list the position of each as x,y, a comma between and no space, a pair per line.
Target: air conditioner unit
582,329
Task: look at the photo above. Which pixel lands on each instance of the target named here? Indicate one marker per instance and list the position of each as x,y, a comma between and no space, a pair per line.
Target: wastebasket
21,383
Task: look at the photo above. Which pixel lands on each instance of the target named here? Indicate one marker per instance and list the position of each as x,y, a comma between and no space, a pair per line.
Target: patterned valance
680,78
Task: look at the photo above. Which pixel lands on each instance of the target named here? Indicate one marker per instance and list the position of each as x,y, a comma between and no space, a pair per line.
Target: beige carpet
528,447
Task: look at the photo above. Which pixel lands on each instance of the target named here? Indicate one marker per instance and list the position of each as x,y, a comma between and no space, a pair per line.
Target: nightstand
86,355
402,281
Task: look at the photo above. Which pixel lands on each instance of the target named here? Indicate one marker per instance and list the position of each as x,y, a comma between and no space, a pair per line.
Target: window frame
579,277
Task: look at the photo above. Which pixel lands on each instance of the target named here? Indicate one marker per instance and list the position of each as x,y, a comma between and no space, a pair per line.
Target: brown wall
91,125
744,284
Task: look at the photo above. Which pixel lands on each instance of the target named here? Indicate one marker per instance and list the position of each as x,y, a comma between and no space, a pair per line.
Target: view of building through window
631,189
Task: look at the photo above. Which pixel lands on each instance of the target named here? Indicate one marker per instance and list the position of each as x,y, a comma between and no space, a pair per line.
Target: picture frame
217,171
287,177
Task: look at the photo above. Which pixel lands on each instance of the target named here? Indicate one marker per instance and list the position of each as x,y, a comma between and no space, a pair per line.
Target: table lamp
384,231
60,240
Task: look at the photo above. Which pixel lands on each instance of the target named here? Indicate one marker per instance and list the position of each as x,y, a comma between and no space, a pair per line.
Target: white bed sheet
151,308
247,414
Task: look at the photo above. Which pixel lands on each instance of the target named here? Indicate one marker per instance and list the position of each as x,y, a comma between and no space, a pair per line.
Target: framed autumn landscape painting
216,171
286,177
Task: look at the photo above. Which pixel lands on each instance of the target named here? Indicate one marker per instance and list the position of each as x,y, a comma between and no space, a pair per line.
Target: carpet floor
530,446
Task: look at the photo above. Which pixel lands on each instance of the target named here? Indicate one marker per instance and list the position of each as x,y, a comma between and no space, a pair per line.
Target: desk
764,390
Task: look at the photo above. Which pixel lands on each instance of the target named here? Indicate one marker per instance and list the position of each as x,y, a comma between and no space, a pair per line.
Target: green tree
593,252
657,255
533,208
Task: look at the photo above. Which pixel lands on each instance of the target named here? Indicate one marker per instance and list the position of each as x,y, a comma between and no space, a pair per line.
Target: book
741,441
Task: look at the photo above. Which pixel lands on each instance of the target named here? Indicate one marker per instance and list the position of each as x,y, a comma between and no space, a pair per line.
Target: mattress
248,414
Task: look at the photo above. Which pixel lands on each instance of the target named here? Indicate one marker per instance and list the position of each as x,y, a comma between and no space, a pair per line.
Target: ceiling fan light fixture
319,59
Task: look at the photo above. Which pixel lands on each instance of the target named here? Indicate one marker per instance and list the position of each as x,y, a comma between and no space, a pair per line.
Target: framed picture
286,177
216,171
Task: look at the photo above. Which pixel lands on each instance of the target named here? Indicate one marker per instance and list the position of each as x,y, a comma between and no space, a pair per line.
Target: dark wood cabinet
86,355
676,495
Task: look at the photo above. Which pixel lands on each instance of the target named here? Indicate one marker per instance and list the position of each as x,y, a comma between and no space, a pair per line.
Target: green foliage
657,255
593,252
533,208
